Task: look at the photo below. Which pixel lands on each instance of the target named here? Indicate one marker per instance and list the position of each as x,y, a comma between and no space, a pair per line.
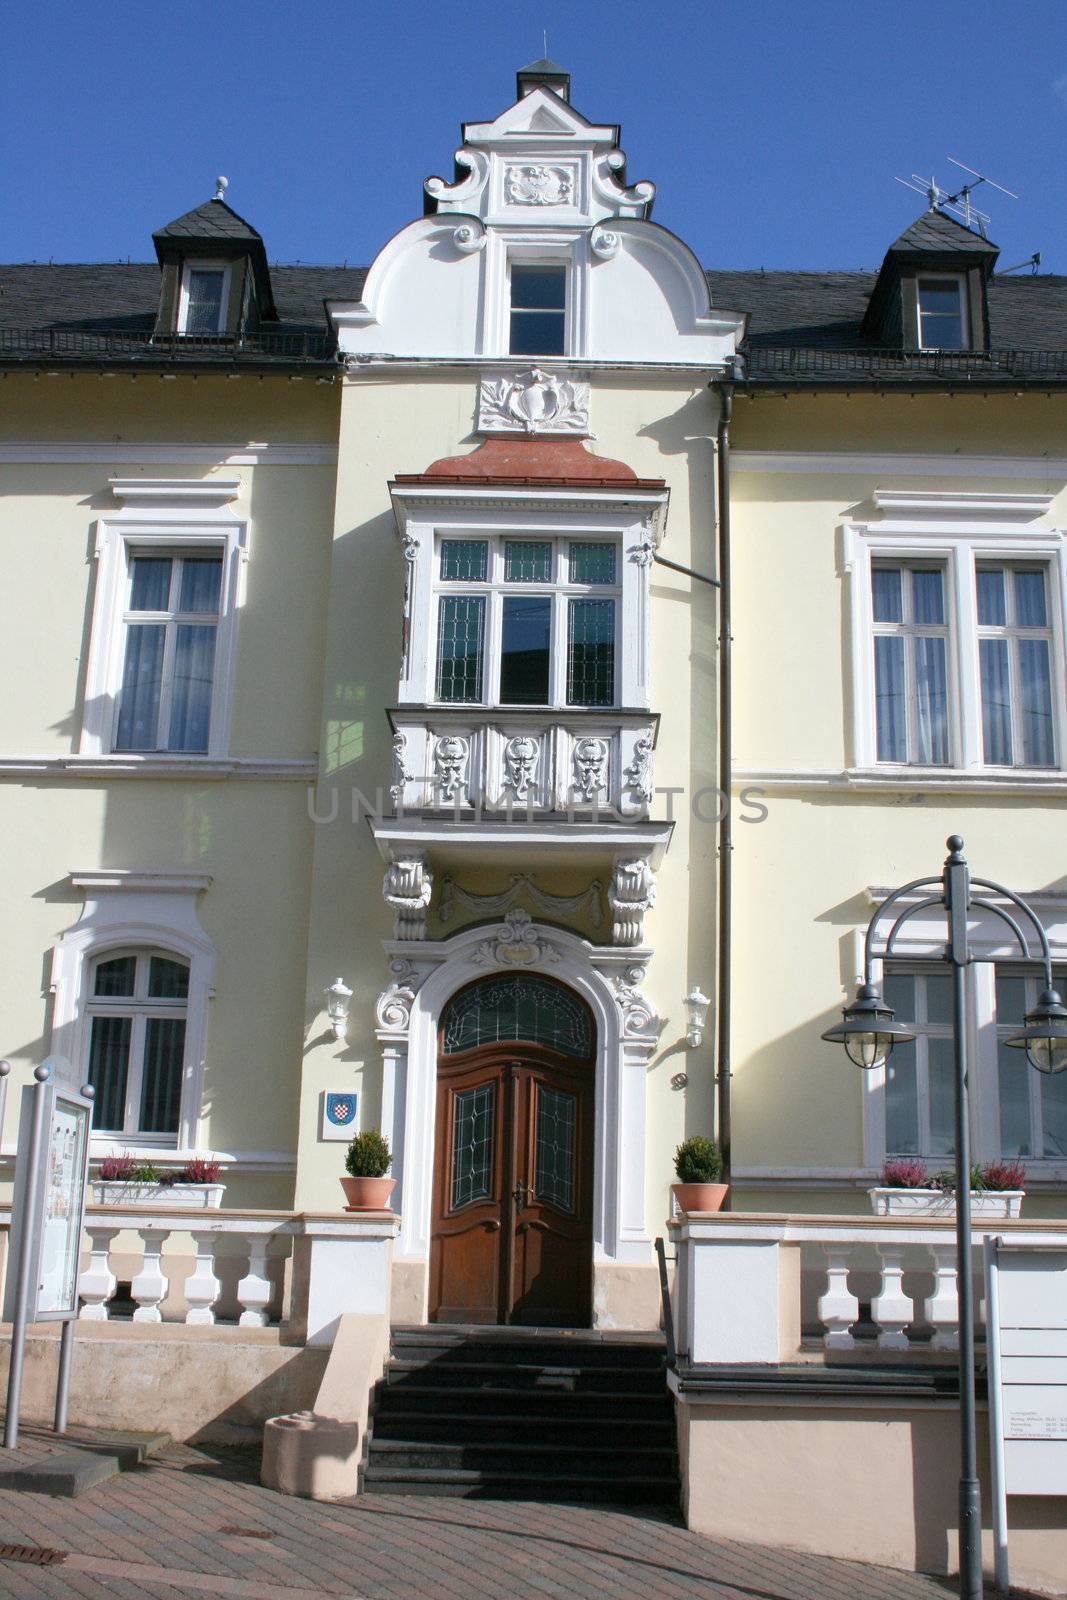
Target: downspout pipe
725,390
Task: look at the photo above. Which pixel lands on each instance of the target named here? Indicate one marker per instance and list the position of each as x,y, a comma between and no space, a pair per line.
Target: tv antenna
959,204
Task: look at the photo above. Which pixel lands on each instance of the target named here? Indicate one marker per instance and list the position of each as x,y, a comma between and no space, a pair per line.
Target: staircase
526,1414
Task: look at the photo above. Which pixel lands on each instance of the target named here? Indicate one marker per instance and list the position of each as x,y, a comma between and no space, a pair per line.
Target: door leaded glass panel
557,1127
472,1144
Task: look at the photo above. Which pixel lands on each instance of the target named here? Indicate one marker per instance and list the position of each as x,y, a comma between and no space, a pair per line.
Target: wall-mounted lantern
696,1014
338,999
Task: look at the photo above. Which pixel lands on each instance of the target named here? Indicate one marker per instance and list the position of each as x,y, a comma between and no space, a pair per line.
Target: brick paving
190,1521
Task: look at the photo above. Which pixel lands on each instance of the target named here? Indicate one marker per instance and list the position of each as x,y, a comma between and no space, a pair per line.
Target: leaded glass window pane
464,560
592,563
472,1144
528,561
460,642
109,1064
591,653
513,1007
557,1127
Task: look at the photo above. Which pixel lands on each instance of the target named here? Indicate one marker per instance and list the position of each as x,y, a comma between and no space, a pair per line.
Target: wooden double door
513,1188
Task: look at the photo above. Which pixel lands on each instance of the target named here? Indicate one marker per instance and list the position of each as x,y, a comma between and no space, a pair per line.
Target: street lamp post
868,1032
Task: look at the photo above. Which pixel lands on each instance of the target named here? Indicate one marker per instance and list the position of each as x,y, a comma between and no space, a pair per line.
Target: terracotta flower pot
700,1196
367,1194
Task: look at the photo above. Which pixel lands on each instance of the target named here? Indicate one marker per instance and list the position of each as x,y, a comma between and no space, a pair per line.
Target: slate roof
213,220
934,230
816,316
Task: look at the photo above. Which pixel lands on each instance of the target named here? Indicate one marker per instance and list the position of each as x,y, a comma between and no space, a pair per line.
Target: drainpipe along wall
725,882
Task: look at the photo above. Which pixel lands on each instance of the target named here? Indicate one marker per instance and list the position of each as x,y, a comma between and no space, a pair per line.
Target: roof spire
544,74
221,185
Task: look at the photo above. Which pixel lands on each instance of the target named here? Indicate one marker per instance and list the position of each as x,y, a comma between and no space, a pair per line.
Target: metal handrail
81,342
802,361
668,1309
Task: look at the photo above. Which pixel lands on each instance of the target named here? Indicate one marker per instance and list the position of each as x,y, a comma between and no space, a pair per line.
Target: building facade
362,754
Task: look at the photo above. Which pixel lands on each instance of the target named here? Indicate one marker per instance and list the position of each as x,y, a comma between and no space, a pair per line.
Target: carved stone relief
520,764
590,759
517,945
637,1013
407,887
632,893
533,402
638,774
532,185
401,775
451,754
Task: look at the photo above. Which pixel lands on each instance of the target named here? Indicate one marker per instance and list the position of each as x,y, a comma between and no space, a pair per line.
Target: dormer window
203,299
538,309
942,313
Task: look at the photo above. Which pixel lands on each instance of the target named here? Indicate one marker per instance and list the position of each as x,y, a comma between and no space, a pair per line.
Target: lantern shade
1044,1035
869,1029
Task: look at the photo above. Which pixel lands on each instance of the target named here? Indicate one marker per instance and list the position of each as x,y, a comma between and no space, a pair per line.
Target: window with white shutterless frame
941,311
957,644
536,294
166,599
521,621
203,297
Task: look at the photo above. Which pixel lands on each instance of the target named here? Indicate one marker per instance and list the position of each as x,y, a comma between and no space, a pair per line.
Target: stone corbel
407,887
632,893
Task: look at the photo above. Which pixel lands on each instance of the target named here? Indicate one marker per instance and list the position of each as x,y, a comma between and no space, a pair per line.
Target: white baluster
891,1308
942,1308
838,1307
97,1283
202,1288
150,1286
254,1289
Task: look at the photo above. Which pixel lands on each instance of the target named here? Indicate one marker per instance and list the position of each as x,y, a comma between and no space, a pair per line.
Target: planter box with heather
121,1181
991,1203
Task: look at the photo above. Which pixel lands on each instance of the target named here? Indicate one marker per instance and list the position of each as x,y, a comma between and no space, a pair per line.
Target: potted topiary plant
908,1190
367,1161
699,1167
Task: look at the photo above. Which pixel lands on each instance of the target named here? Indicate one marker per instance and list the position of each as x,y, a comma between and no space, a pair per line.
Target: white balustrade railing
750,1287
186,1273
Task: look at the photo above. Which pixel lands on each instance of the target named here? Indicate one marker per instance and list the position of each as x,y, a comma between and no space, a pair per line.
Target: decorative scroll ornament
590,767
520,764
450,757
407,887
637,1013
638,774
604,243
401,775
632,893
522,884
533,402
539,186
643,554
470,237
393,1006
518,945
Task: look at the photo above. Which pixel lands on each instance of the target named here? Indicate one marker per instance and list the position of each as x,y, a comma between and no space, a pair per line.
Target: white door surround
424,978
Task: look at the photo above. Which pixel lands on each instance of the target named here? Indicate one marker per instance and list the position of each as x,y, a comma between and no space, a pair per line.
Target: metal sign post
48,1217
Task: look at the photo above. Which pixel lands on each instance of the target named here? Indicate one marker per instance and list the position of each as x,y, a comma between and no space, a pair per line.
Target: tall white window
137,1009
170,629
1033,1105
911,663
1015,654
202,306
941,308
919,1076
527,621
538,310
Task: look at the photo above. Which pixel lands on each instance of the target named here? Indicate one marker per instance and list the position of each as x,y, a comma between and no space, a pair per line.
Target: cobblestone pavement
195,1521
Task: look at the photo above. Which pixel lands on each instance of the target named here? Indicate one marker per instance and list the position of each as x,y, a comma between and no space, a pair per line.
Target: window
171,624
941,313
1014,645
911,674
202,307
919,1076
1033,1106
527,622
137,1008
538,325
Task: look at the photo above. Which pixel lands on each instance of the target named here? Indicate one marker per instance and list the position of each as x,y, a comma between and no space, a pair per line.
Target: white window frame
909,630
633,517
959,532
542,247
1035,982
960,282
1012,632
925,1030
139,1008
183,517
920,944
559,589
543,258
225,271
147,913
169,618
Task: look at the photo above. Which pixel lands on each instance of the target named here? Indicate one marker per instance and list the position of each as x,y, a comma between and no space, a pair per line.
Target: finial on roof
221,185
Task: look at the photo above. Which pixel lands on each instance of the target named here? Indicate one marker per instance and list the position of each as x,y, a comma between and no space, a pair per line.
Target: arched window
514,1006
137,1006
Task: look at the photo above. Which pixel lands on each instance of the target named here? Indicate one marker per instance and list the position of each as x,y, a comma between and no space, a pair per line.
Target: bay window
527,622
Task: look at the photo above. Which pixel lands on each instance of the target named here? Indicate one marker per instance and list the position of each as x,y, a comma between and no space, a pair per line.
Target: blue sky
773,128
